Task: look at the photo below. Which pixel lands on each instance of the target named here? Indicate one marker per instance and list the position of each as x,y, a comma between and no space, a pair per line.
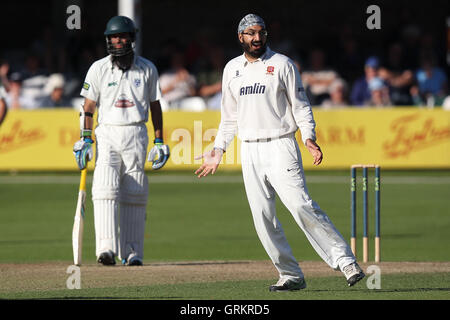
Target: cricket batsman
125,88
264,102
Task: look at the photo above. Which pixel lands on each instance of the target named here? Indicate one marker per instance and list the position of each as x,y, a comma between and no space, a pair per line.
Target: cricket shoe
288,285
107,258
133,260
353,273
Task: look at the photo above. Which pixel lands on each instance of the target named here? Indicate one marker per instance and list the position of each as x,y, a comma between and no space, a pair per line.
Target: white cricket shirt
122,98
263,99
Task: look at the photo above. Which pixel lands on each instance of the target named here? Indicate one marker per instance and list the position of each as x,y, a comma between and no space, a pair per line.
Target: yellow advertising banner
392,138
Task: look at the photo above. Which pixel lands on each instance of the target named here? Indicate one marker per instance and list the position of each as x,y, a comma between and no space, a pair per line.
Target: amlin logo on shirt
257,88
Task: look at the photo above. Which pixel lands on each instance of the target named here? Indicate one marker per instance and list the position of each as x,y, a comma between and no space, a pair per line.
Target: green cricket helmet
120,24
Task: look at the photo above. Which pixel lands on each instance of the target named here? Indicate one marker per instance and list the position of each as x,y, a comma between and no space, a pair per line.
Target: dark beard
254,53
123,62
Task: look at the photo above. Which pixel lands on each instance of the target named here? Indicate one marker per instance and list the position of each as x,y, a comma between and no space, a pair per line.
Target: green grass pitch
209,219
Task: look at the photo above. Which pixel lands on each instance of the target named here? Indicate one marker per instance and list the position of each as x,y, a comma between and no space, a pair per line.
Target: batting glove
82,149
159,154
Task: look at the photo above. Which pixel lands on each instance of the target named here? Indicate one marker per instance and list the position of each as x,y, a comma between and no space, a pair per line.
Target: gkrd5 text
229,309
236,309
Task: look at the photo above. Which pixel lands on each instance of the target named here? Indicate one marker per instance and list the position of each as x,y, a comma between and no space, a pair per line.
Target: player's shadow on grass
32,241
199,263
410,290
401,236
377,290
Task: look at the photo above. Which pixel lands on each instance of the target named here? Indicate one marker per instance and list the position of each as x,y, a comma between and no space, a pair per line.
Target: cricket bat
78,225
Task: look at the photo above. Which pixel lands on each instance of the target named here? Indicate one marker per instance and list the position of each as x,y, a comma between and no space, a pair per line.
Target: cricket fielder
263,100
124,87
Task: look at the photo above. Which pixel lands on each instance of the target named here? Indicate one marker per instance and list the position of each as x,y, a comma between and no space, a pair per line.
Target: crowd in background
409,72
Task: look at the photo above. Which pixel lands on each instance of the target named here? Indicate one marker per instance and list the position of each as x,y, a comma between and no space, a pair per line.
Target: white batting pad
105,220
134,188
132,230
105,183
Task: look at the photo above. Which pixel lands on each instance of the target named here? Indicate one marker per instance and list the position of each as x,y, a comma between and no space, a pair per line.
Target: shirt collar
265,56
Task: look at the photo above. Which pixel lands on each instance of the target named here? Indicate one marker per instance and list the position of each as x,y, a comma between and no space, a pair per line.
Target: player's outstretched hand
315,151
211,162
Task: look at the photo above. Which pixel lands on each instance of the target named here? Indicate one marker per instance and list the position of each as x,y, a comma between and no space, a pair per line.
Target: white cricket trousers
120,189
275,167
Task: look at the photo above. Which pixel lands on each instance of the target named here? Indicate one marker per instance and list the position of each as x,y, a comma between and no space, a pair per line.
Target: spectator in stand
196,52
318,78
176,83
446,103
348,59
34,77
3,105
397,76
432,83
410,33
16,99
428,47
210,80
55,93
32,67
360,92
379,93
415,96
338,95
279,42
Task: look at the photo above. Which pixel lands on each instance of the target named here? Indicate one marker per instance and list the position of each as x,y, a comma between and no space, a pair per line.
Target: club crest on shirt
137,82
270,70
123,102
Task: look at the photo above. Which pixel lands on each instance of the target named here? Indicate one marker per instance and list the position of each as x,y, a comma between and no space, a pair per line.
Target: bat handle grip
83,179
